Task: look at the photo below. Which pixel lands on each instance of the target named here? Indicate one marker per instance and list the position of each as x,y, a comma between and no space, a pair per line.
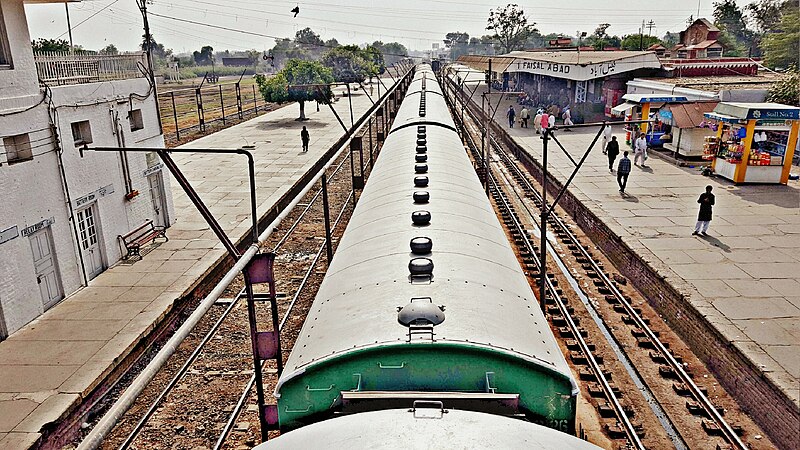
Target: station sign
88,198
151,170
27,231
8,234
578,71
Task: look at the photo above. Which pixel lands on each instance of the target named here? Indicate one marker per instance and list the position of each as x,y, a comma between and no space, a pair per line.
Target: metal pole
371,162
488,137
543,224
175,116
327,214
69,26
222,104
149,49
251,318
353,177
255,99
350,98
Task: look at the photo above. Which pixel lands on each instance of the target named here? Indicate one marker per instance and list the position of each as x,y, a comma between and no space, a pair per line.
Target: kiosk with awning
755,142
689,127
638,106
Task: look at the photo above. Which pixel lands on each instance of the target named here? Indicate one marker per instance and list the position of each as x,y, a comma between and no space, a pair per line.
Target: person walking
607,138
545,121
612,149
623,170
706,201
640,149
537,122
305,138
551,121
511,114
524,115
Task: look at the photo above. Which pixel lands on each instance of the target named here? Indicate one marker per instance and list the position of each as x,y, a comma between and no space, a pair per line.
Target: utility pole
148,48
650,26
69,26
641,37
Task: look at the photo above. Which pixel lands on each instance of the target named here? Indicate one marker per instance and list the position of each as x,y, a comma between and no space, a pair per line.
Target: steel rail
633,437
95,437
712,412
249,386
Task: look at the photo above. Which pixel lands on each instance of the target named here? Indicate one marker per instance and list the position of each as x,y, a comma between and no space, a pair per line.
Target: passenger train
425,304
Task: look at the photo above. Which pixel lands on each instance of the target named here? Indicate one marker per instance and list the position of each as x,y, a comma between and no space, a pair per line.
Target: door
44,262
89,241
157,197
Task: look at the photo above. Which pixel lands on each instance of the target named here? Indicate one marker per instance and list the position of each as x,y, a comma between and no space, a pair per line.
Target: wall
19,85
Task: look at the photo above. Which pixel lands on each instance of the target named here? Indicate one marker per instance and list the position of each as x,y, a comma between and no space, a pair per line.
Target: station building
62,210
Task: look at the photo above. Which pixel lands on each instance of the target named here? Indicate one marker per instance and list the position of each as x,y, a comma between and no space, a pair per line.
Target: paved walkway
47,367
744,277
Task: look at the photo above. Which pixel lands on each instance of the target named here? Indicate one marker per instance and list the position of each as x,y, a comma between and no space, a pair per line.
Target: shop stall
754,142
643,107
689,127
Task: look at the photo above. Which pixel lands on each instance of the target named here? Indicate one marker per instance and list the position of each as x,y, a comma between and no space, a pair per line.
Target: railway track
204,398
512,189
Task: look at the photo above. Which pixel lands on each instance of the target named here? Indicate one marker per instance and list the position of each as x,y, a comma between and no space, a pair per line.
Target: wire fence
62,68
192,112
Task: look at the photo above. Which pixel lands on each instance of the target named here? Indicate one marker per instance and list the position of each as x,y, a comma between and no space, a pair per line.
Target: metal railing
63,68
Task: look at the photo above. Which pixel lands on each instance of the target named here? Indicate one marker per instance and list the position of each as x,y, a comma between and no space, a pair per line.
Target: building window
18,148
5,48
136,120
714,52
81,133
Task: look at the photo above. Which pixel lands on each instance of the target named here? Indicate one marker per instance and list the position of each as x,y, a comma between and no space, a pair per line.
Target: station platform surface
744,277
50,365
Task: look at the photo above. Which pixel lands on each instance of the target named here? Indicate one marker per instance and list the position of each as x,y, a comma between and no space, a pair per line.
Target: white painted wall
35,190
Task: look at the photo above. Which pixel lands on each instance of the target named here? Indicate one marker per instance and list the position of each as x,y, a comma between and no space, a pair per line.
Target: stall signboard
774,114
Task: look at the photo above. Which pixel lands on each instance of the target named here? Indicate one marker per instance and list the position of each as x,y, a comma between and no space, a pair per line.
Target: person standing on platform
551,121
305,138
612,149
524,115
640,150
607,138
567,117
537,122
545,121
623,170
511,114
706,201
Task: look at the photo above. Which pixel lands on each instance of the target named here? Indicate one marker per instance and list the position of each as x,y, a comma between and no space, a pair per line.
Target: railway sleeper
607,411
559,320
566,332
638,332
643,342
596,390
613,300
616,431
572,344
683,390
586,374
659,358
577,357
668,372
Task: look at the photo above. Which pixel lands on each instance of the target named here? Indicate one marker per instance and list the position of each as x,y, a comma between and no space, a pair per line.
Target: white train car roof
425,429
476,277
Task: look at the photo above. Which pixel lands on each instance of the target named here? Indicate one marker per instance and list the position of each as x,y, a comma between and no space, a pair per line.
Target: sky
417,24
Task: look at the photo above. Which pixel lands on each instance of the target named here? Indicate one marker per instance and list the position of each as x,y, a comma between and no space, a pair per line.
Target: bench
139,236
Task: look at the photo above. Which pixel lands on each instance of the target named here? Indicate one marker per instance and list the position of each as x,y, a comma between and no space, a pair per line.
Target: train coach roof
425,429
477,278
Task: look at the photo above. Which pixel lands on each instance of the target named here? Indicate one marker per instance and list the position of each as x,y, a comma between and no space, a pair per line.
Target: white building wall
35,190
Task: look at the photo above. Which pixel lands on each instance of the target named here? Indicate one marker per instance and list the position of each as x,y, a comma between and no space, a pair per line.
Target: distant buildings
61,211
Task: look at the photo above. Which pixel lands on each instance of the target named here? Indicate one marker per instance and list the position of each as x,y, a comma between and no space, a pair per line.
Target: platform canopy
569,65
653,98
758,111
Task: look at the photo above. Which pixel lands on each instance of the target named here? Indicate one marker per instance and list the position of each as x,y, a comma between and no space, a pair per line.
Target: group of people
611,149
541,121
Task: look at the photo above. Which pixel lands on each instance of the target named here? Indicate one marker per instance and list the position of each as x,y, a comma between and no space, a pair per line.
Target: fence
192,111
62,68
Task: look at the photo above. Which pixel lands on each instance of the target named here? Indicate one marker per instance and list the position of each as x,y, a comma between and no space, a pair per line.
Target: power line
86,19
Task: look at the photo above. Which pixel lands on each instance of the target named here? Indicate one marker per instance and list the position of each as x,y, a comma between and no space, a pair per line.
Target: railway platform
743,279
52,364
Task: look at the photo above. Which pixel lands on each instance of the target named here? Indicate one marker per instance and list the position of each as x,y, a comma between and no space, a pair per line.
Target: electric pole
148,48
650,26
641,37
69,26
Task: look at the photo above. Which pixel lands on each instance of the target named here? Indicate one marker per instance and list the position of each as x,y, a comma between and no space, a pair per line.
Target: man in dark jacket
623,170
706,201
612,149
305,138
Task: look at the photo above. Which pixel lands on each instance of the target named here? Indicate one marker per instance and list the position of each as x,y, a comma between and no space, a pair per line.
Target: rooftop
582,58
717,83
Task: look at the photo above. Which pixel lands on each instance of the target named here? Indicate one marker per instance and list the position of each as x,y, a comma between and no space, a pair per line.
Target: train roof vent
420,311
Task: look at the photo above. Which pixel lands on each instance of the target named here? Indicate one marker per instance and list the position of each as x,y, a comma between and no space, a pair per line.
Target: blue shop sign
775,114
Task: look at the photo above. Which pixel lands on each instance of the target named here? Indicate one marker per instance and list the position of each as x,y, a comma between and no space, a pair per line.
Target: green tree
110,49
49,45
510,26
731,20
307,38
284,86
637,42
375,55
204,56
458,44
599,39
159,52
349,64
766,14
782,46
670,39
787,90
392,51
